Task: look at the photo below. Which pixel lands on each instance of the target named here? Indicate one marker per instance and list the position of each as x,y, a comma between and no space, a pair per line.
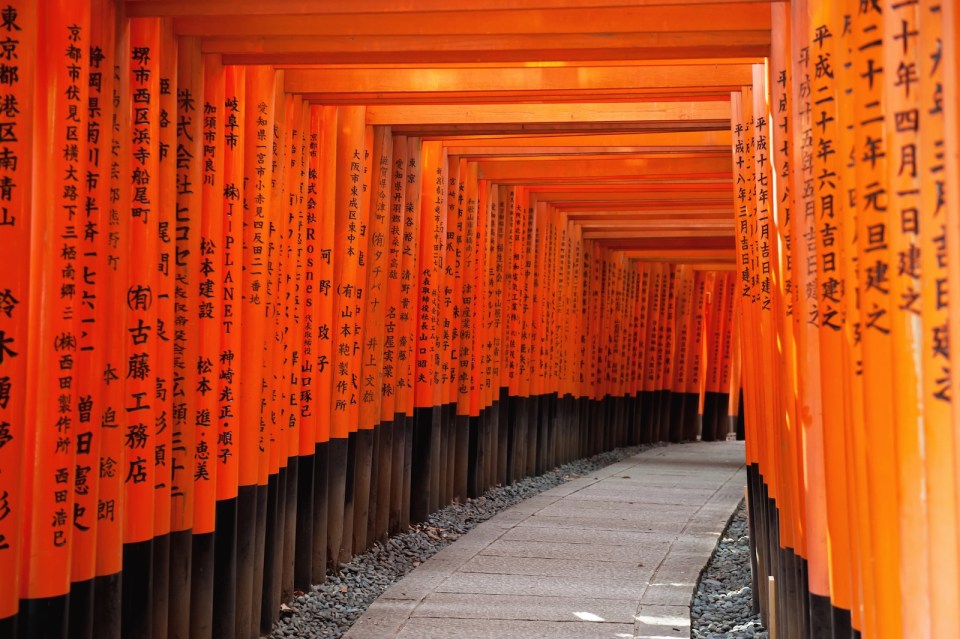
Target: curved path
615,554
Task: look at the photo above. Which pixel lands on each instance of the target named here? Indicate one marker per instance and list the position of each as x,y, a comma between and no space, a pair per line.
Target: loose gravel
329,609
723,604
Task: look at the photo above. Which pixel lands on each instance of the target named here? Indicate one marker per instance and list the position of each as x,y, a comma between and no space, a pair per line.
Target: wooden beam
418,114
170,8
515,173
720,183
617,198
718,17
539,64
540,182
675,205
633,185
496,47
647,211
563,195
625,140
326,83
685,245
680,255
506,97
558,170
663,224
646,234
549,155
654,214
524,151
434,131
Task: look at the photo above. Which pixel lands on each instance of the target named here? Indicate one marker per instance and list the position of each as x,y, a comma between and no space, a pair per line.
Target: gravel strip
723,604
329,609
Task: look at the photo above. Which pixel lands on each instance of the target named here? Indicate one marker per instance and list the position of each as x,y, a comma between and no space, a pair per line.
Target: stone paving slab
587,523
512,629
649,550
596,537
595,494
583,587
552,567
445,605
662,621
614,554
616,510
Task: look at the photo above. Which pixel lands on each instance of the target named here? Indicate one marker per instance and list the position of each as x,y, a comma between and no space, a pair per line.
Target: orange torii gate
281,278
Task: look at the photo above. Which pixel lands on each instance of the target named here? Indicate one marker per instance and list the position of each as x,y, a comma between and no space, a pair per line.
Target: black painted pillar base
556,433
790,587
161,587
201,586
753,535
344,554
8,627
259,555
646,417
665,417
336,491
656,412
461,456
503,438
137,589
608,418
474,457
540,427
420,471
225,571
821,617
436,477
842,628
513,427
376,439
246,546
303,544
44,618
181,551
270,592
528,434
408,429
636,419
596,426
321,505
362,482
383,474
397,473
708,432
289,514
722,415
584,425
691,416
802,603
439,462
81,610
106,607
676,416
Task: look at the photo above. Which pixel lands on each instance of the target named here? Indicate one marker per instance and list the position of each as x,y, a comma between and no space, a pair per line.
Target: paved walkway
615,554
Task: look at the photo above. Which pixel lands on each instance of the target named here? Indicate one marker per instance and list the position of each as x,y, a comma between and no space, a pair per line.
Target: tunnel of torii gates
280,278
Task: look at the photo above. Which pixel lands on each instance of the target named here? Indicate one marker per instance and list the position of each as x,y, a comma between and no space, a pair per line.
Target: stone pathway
615,554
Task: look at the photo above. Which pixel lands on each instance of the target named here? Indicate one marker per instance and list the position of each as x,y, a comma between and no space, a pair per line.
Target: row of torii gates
280,278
